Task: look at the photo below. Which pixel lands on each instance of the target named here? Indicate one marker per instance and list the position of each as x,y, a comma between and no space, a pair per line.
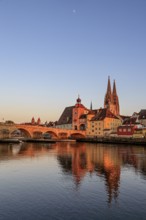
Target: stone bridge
34,131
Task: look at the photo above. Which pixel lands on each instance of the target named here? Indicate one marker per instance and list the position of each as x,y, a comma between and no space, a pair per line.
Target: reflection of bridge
38,131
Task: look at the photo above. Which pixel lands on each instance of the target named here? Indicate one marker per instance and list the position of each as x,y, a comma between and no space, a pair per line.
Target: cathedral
78,117
111,100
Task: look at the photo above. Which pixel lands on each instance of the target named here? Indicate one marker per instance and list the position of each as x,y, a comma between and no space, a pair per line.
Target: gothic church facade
111,100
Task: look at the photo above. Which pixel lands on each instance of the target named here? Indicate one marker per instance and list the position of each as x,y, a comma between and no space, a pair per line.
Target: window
75,127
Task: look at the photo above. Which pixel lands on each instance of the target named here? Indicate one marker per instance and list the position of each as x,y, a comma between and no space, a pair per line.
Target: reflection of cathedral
104,161
80,159
112,176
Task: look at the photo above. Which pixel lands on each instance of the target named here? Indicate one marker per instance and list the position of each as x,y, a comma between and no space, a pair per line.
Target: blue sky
53,50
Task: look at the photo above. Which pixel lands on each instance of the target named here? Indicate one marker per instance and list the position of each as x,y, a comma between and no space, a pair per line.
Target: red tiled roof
102,114
79,105
126,126
93,111
129,121
124,117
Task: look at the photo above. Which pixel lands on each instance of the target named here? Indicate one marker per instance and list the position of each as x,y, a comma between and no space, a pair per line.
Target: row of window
97,133
125,129
108,124
95,123
96,128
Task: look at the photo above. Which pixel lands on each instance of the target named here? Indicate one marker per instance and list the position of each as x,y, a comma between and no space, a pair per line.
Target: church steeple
115,100
111,100
108,95
109,86
114,88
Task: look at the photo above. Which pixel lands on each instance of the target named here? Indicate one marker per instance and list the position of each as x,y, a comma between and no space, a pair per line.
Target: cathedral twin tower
111,100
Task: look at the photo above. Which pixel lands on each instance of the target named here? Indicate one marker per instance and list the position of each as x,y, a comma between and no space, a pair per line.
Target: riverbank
14,140
104,140
11,140
115,140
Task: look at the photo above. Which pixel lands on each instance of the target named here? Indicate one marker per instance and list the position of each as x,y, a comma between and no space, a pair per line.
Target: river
65,181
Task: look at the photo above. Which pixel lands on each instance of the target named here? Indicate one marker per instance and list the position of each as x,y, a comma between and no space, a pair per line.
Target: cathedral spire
115,98
114,88
108,95
109,86
111,100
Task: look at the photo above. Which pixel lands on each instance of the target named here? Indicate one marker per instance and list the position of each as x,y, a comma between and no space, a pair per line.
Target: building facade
104,123
79,116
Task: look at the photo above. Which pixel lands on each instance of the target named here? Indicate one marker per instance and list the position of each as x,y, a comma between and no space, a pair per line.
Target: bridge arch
50,134
23,132
77,135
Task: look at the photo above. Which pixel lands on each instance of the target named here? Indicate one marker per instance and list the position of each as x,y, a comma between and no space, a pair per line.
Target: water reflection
23,149
79,160
83,159
104,160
